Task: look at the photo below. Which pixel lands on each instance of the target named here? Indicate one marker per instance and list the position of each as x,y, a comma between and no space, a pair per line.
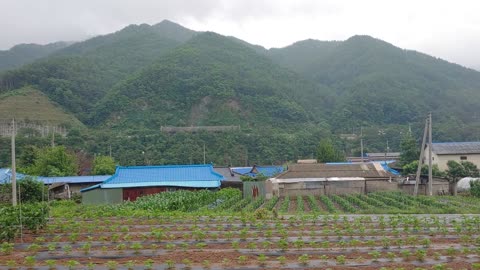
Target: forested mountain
81,74
212,80
27,53
376,82
125,85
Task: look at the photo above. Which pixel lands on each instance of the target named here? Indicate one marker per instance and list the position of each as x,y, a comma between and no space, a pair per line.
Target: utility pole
420,160
430,176
14,169
361,142
53,137
204,156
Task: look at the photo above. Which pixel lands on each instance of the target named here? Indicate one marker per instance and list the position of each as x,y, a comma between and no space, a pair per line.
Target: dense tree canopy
103,165
326,152
53,161
409,150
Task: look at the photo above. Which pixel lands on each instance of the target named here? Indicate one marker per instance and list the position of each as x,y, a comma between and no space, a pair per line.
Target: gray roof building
456,148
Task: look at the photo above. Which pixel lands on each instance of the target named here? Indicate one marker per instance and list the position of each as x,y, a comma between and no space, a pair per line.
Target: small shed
64,187
129,183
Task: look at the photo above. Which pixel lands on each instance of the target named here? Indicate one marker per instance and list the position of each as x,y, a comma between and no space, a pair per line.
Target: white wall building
457,151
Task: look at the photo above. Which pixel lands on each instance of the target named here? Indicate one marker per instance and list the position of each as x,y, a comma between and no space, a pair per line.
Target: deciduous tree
103,165
53,161
326,152
457,171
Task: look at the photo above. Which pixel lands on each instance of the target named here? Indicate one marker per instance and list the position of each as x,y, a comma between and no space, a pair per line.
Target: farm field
223,231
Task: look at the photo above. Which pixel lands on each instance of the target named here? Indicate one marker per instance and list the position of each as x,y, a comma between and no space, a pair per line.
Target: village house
66,187
457,151
343,178
129,183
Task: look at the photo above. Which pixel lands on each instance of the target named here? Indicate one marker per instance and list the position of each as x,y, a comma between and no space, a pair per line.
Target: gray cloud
445,29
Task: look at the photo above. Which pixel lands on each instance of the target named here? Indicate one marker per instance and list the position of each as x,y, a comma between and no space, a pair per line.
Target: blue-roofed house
6,175
64,187
129,183
59,187
241,170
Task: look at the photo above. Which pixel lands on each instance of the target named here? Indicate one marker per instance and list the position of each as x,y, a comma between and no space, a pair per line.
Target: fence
38,128
194,129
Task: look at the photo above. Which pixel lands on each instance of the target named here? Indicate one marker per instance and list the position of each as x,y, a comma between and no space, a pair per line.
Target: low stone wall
380,185
349,187
439,188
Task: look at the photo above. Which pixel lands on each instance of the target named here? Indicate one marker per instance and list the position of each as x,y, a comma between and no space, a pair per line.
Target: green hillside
28,104
210,80
79,75
126,85
27,53
377,83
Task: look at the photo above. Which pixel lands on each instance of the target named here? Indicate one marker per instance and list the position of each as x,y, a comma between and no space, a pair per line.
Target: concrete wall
344,187
380,185
319,188
301,188
439,188
340,187
102,196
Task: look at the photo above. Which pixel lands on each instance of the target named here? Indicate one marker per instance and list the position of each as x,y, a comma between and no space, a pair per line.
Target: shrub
475,188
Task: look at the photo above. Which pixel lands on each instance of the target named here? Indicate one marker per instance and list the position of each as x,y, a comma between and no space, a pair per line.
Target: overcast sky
445,29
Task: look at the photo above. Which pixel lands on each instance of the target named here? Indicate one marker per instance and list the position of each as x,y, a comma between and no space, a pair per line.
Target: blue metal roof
74,179
6,175
242,170
197,176
269,171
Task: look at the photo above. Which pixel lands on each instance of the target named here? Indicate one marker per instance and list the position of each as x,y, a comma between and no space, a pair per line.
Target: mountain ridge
359,81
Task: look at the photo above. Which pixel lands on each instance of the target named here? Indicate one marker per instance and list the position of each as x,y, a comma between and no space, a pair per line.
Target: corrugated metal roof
381,155
74,179
242,170
227,173
452,148
6,174
198,176
268,171
91,187
4,177
338,170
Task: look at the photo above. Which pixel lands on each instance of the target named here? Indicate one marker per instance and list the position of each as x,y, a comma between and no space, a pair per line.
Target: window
463,158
